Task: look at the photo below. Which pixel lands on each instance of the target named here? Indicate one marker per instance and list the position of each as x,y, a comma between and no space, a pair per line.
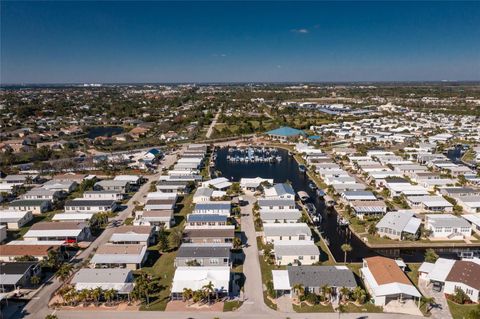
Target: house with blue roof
285,133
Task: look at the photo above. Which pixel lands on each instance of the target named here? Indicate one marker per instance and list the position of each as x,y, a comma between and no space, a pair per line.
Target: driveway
440,310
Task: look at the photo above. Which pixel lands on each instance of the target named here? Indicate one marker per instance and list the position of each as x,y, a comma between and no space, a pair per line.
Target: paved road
38,307
212,125
440,310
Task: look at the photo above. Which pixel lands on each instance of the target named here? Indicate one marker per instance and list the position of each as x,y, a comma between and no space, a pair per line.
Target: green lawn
315,308
232,305
460,311
164,266
368,307
412,273
18,234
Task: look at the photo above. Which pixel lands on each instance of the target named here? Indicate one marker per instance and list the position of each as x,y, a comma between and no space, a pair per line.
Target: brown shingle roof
466,272
113,249
133,229
26,250
386,271
58,225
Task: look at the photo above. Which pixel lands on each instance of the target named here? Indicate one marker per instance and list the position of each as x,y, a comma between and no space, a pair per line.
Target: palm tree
96,294
299,290
35,280
429,301
209,289
83,295
176,237
109,295
187,294
359,295
237,243
326,291
51,317
64,272
346,248
345,292
197,295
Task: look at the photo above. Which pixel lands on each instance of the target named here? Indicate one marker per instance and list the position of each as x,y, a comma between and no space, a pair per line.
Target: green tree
431,256
429,302
208,289
64,272
346,248
109,295
35,280
176,237
163,244
460,296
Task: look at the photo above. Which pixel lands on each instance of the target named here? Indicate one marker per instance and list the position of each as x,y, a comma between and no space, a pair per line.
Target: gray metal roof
206,218
287,229
90,202
318,276
204,250
276,202
399,220
295,248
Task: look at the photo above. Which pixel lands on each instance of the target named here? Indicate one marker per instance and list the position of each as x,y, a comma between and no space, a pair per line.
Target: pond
96,131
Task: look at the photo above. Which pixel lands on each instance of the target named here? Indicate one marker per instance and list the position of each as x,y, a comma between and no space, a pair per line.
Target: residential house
39,252
16,275
157,218
312,279
129,256
69,232
273,233
205,221
121,186
129,234
103,195
431,203
387,283
399,225
292,216
14,220
290,252
218,207
219,234
41,193
205,255
120,280
447,227
195,278
368,208
36,206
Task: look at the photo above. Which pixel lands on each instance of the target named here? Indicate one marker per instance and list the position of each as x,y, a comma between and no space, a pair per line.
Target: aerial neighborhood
221,200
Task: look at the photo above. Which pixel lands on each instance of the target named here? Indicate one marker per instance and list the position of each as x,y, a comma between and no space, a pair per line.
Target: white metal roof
196,277
281,280
441,269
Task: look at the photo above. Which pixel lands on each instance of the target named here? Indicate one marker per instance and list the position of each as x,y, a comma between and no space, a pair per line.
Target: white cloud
301,31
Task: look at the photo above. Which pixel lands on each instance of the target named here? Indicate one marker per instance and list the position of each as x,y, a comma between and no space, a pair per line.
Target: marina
253,155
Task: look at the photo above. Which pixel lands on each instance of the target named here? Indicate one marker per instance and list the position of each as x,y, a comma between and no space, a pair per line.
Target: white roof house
296,252
120,280
74,216
253,183
437,271
394,224
447,226
218,183
275,232
196,277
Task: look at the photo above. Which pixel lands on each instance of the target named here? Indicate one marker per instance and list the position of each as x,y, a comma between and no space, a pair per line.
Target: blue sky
70,42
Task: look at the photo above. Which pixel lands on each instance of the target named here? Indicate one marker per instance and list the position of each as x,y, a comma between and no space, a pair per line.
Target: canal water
287,170
97,131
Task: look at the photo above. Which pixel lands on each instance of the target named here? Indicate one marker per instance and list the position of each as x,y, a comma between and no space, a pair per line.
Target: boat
320,192
310,208
342,221
302,168
303,196
312,185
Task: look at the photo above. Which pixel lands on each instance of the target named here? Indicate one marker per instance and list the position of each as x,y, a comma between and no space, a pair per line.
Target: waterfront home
280,191
335,179
41,193
447,227
270,205
157,218
399,225
73,217
350,196
276,232
130,256
368,208
39,252
61,186
16,275
90,205
205,255
448,275
474,219
179,187
285,133
72,177
431,203
103,195
205,220
470,204
13,219
36,206
120,280
312,279
206,194
380,178
195,278
254,184
131,234
133,180
290,252
399,188
288,216
340,188
387,283
217,207
219,183
69,232
219,234
121,186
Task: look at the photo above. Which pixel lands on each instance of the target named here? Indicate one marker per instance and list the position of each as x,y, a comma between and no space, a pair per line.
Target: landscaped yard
460,311
232,305
315,308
